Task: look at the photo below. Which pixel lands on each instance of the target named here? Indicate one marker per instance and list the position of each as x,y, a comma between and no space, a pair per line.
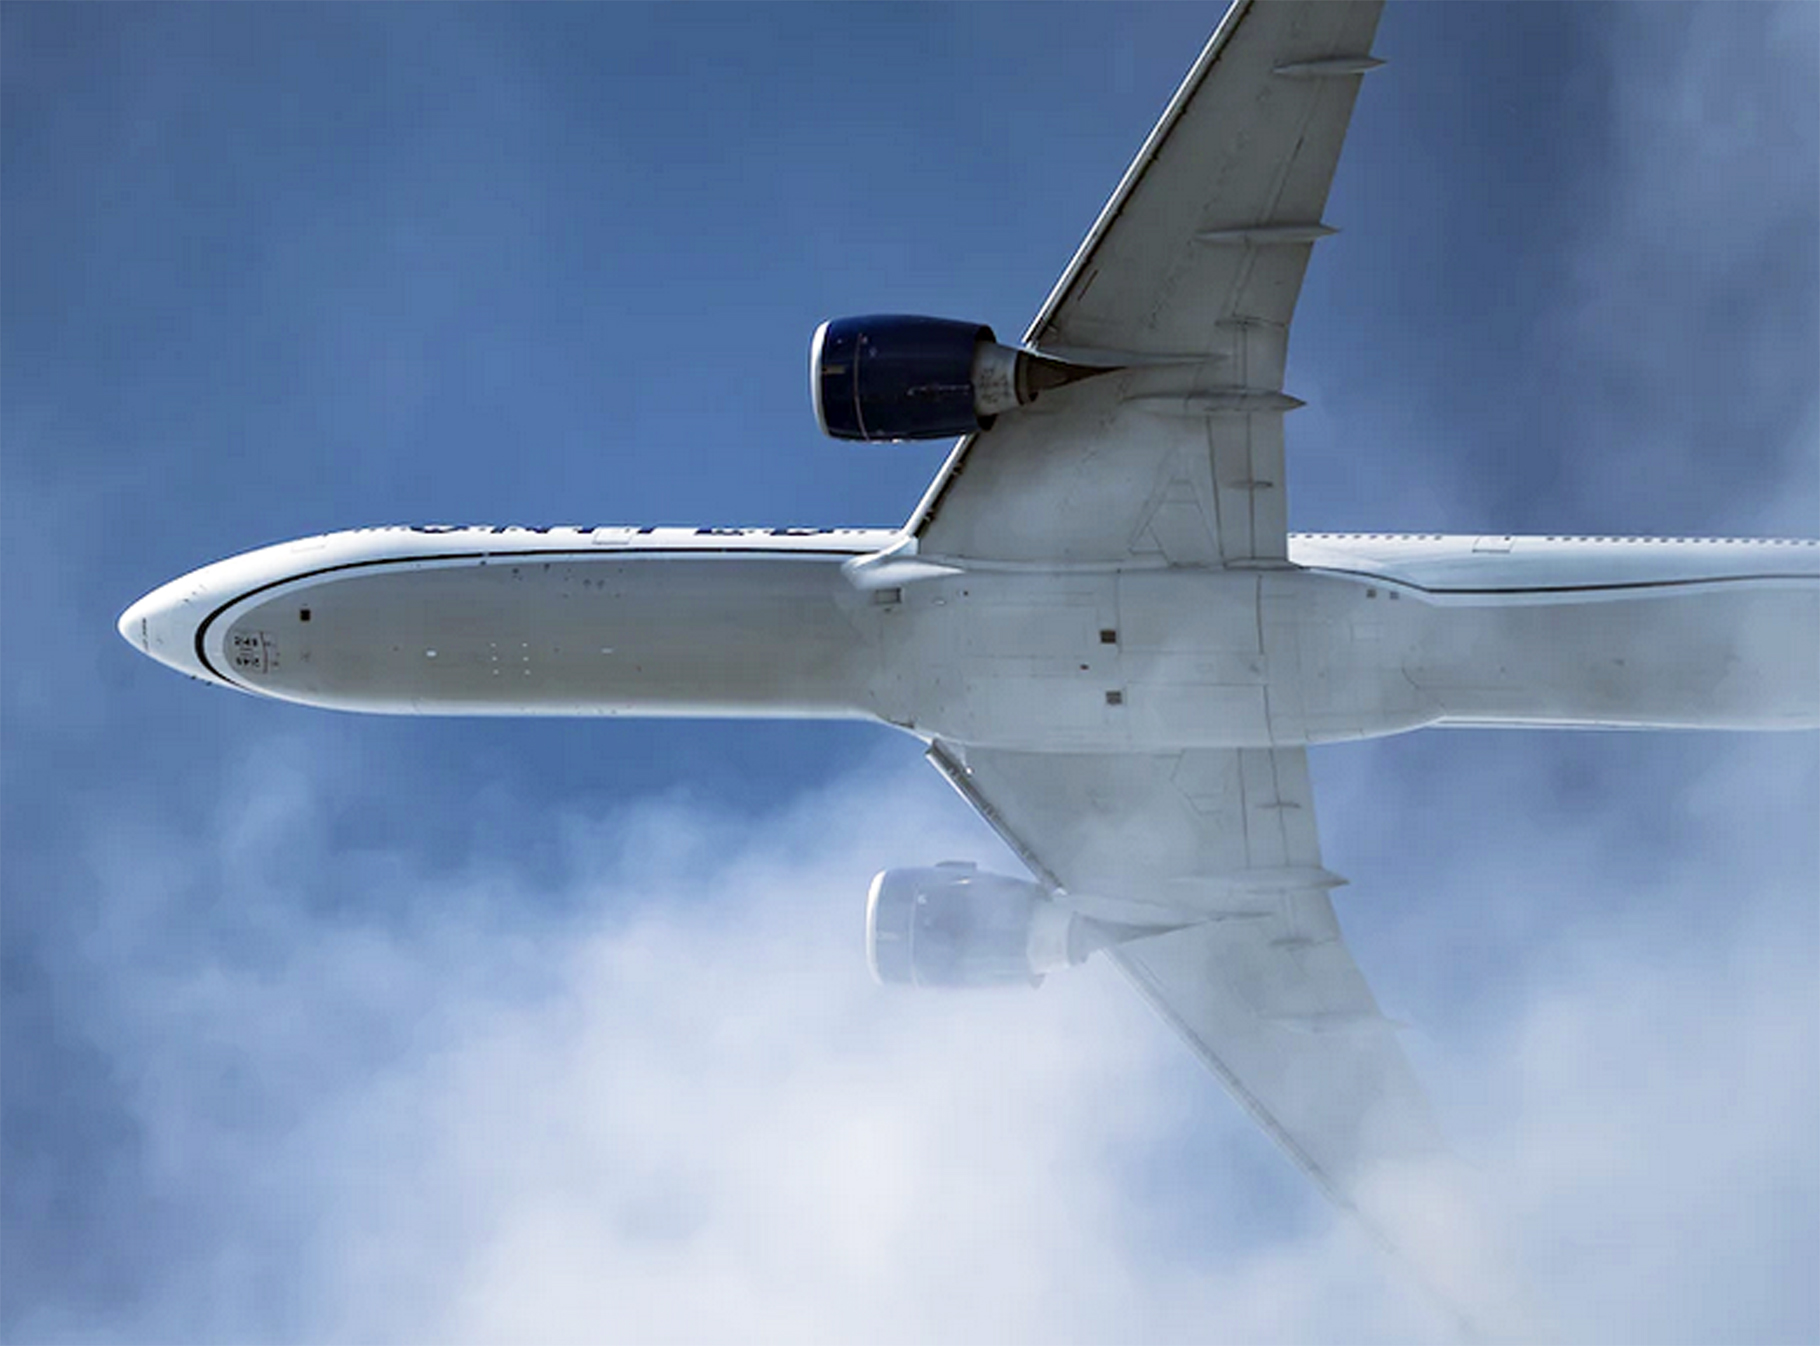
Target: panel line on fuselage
1608,586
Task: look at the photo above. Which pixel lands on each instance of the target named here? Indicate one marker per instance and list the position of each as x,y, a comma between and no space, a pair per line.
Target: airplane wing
1258,979
1186,283
1184,290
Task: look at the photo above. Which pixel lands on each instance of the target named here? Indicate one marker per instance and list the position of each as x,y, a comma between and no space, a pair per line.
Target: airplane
1095,620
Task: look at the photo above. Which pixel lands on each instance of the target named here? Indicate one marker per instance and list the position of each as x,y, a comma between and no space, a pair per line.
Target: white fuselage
1362,635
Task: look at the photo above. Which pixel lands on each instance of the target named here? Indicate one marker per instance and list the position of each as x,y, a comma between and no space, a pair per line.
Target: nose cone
132,625
163,625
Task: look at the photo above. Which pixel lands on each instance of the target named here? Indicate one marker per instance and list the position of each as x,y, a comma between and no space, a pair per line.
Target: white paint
1363,636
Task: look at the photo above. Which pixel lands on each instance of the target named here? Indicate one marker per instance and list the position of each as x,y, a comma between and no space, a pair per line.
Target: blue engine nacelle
956,926
891,376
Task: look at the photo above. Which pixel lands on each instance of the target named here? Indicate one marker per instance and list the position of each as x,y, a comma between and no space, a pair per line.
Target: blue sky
324,1028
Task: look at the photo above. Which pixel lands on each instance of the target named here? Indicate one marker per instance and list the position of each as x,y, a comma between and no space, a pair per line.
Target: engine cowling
954,925
895,377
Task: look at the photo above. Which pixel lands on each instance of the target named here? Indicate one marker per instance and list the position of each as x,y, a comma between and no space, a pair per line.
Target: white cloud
683,1112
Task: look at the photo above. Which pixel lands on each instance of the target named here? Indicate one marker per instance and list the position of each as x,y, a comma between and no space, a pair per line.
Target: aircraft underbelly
1736,654
1094,661
708,636
1162,660
1152,660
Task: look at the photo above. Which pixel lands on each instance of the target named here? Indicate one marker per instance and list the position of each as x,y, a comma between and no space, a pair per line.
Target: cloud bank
673,1107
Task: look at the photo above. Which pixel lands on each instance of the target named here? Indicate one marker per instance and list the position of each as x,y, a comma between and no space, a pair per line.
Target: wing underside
1220,845
1186,284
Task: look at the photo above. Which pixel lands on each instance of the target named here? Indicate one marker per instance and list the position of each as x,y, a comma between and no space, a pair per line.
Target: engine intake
955,926
895,377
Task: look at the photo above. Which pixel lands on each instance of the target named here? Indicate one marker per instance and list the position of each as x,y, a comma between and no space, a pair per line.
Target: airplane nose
133,626
171,622
163,625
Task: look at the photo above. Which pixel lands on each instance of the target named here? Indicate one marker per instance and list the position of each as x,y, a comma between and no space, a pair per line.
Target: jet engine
955,926
892,376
